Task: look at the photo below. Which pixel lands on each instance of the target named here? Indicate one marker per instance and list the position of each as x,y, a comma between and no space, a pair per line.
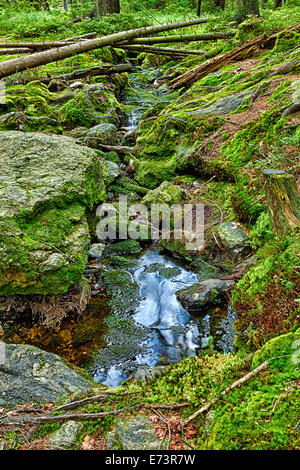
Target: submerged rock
29,374
47,183
203,295
168,272
133,434
234,240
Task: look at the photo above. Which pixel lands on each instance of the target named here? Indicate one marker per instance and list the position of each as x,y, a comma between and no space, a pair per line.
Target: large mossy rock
133,434
47,184
103,134
28,374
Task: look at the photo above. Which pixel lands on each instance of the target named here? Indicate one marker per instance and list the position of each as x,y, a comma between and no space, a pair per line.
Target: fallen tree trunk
52,55
13,51
47,45
183,38
246,50
104,69
159,50
283,201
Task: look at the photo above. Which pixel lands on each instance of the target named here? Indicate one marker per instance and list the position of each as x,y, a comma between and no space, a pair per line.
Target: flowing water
172,333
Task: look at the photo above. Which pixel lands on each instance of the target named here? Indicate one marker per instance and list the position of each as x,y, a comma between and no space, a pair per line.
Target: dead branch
239,382
14,51
116,148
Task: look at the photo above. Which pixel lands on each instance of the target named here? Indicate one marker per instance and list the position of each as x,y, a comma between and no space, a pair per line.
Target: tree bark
105,7
12,66
244,51
277,3
283,201
199,7
245,8
184,38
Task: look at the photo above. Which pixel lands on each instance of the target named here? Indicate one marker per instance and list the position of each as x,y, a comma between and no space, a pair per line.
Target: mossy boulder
128,247
166,193
103,134
29,374
47,186
67,436
234,239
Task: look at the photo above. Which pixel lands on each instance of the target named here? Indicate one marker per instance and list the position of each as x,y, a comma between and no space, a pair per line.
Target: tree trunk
283,201
199,7
105,7
277,3
245,8
184,38
12,66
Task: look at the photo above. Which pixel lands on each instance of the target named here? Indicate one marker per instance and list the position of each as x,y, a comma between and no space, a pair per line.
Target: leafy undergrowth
261,413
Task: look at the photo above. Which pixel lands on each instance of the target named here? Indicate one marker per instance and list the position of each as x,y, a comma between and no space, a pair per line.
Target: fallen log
160,50
183,38
14,51
103,69
210,66
47,45
37,59
246,50
116,148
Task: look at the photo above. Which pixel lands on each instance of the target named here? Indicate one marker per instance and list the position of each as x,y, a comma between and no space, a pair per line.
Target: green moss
282,352
128,247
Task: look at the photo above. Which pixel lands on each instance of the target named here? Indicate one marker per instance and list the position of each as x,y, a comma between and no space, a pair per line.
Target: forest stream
161,330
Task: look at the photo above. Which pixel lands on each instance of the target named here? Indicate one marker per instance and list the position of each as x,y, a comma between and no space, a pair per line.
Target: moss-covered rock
234,239
47,185
166,193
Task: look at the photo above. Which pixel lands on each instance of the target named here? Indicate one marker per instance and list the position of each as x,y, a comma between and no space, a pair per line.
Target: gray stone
222,106
295,91
105,134
96,250
133,434
66,436
166,193
113,171
199,297
235,240
29,374
46,185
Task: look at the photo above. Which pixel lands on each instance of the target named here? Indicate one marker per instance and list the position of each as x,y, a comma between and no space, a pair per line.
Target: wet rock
133,434
29,374
106,134
112,171
96,250
46,185
66,436
222,106
203,295
235,240
164,271
13,120
166,193
146,372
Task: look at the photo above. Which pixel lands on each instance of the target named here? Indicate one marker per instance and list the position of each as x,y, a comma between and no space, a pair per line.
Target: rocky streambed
147,308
